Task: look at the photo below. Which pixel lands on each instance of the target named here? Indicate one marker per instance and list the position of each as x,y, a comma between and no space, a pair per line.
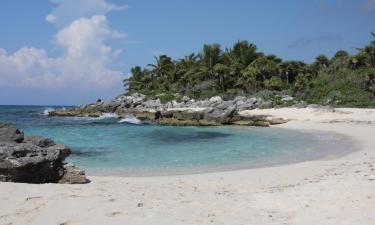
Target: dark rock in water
10,133
32,159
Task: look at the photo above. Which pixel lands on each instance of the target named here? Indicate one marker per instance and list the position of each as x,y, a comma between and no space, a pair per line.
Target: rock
188,115
224,105
60,151
73,175
29,163
175,104
215,101
152,104
39,141
177,122
266,105
244,123
287,98
239,98
301,104
111,106
185,99
95,108
214,111
229,113
220,116
275,121
127,101
261,123
67,112
247,104
35,160
138,99
169,105
10,133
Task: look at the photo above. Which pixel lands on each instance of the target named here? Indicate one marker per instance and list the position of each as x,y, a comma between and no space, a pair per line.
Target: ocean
125,147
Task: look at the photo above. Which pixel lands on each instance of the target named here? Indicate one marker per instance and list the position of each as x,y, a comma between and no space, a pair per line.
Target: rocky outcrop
187,112
10,134
33,159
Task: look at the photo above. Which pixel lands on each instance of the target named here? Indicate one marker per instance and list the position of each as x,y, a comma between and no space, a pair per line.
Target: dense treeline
343,80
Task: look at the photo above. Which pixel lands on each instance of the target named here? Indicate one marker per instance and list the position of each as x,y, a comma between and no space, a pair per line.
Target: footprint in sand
113,214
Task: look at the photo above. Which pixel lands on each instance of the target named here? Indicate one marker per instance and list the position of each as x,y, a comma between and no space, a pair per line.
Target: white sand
336,191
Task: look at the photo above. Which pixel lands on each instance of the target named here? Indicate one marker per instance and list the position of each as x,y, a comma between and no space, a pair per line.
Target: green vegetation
343,80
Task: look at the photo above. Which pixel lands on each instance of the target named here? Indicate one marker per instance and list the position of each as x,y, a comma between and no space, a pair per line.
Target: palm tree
163,71
162,66
368,52
322,61
242,53
210,57
289,70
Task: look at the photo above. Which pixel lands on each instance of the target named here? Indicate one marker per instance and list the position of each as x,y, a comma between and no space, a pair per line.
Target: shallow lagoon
106,147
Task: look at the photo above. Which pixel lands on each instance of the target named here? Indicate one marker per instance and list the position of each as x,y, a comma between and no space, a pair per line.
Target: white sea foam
102,117
130,119
47,111
107,116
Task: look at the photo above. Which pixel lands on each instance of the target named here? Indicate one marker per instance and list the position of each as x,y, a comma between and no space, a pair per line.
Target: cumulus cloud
69,10
85,61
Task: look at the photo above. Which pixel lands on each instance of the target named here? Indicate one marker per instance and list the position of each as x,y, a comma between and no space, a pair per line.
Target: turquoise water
104,146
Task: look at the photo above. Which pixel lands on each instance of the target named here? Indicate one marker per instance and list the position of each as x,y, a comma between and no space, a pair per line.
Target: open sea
111,146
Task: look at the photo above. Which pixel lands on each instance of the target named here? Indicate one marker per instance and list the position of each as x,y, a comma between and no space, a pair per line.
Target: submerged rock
32,159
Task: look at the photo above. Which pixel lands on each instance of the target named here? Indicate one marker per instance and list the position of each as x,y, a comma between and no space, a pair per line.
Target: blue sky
75,51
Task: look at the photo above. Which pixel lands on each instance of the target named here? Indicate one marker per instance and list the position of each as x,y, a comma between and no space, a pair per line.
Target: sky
69,52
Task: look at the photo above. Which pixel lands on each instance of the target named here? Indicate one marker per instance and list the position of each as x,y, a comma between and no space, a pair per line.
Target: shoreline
332,191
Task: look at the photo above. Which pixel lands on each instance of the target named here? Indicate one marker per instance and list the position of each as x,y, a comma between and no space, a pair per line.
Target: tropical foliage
343,80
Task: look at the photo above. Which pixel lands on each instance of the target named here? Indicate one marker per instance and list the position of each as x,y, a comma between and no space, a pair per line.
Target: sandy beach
330,191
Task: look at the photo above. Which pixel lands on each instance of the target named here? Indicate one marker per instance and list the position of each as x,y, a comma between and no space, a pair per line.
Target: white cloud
85,61
51,18
69,10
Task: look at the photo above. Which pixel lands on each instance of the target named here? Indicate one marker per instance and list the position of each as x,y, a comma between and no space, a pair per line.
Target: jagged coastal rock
34,159
210,112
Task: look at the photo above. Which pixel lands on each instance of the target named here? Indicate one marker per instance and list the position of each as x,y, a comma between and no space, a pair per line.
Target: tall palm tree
210,57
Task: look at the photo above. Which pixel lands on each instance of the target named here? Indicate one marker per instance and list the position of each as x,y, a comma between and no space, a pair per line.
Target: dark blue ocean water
105,146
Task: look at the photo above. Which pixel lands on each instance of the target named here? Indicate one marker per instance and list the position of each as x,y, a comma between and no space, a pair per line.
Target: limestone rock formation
33,159
187,112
